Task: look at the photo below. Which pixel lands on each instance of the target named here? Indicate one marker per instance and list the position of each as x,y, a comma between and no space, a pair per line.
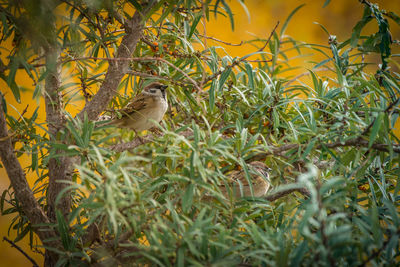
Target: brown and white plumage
259,178
144,109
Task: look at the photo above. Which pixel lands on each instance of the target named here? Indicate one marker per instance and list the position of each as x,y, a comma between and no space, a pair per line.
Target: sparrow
144,109
239,186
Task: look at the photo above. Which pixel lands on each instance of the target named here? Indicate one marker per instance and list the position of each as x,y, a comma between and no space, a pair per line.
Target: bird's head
261,168
155,89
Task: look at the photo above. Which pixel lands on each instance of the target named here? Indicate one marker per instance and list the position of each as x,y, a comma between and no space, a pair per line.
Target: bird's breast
158,112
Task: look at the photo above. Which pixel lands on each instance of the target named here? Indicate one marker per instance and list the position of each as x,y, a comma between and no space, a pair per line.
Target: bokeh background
339,17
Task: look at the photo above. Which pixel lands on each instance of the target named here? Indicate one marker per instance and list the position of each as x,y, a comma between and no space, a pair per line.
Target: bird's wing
236,177
140,103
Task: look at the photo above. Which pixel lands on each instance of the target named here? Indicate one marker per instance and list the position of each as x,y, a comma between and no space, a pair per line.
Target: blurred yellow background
339,17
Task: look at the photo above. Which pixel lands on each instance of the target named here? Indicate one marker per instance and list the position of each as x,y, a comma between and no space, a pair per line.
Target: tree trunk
60,168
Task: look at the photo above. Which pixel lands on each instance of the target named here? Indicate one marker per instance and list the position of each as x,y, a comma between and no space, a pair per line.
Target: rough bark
59,168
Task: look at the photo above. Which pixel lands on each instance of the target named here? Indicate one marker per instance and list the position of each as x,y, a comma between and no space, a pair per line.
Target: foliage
159,203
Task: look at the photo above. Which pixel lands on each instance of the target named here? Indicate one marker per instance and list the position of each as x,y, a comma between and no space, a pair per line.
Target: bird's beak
164,87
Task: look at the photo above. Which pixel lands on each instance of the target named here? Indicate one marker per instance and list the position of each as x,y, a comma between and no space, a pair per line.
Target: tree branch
133,144
356,142
23,193
20,250
117,69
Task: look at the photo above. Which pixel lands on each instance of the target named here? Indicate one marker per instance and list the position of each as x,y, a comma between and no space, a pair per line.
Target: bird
239,186
143,110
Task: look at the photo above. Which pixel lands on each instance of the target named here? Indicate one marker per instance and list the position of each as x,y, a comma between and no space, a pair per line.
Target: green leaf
22,234
224,76
230,15
309,147
37,92
35,160
187,199
323,28
63,230
241,2
286,23
13,86
326,3
154,9
181,257
194,25
375,129
332,183
15,90
211,94
299,253
165,13
135,4
249,71
359,26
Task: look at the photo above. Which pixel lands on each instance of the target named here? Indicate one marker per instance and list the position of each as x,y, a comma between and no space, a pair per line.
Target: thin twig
83,14
220,41
148,75
269,38
23,113
237,62
259,60
173,66
139,59
20,250
145,139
